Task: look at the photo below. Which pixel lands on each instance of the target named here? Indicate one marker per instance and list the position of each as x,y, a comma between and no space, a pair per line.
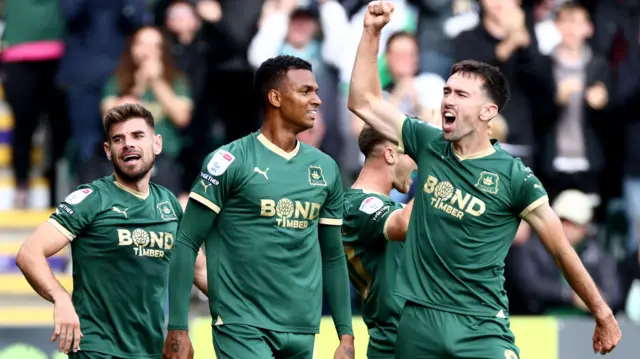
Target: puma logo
264,173
124,213
204,185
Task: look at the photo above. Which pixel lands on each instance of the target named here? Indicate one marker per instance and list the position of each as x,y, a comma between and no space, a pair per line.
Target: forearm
39,275
581,282
178,109
182,270
365,82
200,274
335,283
506,48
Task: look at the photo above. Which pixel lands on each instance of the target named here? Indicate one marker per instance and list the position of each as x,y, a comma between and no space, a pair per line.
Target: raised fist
378,14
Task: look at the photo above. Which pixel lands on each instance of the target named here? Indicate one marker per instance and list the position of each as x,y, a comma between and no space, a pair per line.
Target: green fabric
32,20
172,140
335,278
191,235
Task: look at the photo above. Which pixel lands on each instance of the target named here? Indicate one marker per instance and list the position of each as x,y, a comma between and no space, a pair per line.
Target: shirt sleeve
374,214
217,178
527,190
415,135
77,211
332,209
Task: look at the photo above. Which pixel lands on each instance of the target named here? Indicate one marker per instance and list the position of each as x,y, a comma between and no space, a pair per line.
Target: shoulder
361,204
227,156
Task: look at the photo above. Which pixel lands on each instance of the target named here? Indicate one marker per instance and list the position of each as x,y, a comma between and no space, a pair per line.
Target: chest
289,193
127,229
457,192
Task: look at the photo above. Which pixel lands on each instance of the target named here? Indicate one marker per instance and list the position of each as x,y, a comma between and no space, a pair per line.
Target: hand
597,96
153,69
512,18
177,345
378,14
67,325
606,335
568,87
209,10
345,349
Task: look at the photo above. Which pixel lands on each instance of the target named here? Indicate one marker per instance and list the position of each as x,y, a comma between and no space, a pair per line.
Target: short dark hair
273,70
369,139
125,113
399,35
495,84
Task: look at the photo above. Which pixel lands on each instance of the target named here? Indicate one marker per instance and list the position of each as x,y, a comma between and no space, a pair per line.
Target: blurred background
574,118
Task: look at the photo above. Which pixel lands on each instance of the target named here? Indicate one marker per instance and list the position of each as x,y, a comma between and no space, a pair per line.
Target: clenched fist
378,14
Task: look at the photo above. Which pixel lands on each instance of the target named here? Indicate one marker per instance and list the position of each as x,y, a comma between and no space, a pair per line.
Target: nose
316,100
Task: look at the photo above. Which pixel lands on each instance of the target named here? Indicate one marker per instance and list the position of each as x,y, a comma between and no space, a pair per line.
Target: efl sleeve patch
78,196
371,204
219,163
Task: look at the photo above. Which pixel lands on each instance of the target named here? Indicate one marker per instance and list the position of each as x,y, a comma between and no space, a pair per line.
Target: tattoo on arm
175,347
349,353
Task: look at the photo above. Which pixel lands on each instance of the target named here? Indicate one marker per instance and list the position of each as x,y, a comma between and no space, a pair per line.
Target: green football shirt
121,244
373,263
463,221
264,262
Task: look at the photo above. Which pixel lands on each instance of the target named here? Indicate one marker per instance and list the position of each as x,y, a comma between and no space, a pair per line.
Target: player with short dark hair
269,209
474,195
373,229
122,229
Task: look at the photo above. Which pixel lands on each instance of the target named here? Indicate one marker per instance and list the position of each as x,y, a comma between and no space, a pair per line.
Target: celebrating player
473,197
372,227
269,209
122,229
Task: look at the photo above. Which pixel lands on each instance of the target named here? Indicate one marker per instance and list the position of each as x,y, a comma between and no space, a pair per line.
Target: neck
142,185
570,52
493,27
475,143
279,134
186,37
370,180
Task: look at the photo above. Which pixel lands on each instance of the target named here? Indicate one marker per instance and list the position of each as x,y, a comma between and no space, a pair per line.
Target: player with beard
473,197
269,209
373,230
122,229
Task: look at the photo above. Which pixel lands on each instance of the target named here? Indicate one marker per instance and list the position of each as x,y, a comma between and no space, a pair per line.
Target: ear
157,145
275,98
389,155
488,112
107,150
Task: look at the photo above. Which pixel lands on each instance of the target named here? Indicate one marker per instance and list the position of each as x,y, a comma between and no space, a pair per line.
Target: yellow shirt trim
214,207
70,236
277,150
535,204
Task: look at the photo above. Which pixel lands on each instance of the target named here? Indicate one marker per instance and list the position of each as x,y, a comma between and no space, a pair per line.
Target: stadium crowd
572,68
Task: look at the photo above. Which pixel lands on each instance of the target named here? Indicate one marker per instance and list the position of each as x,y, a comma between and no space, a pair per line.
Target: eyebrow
447,88
138,132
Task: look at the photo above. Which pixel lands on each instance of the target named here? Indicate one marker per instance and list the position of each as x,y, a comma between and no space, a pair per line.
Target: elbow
357,103
22,259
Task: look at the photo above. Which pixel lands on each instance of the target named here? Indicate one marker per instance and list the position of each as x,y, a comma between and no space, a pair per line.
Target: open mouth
448,120
312,113
131,158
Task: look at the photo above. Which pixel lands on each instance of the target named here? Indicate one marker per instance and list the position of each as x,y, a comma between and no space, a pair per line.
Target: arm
335,24
335,283
365,92
269,39
200,274
396,226
178,108
45,241
547,225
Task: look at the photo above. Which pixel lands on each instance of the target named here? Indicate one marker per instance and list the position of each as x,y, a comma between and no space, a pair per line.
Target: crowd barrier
537,337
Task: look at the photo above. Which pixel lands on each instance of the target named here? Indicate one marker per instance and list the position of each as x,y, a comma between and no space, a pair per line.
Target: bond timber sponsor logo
146,243
451,200
288,213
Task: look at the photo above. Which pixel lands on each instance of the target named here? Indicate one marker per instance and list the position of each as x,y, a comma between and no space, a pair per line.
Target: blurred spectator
572,153
630,277
199,42
96,32
436,49
504,39
147,74
542,283
30,59
315,34
546,31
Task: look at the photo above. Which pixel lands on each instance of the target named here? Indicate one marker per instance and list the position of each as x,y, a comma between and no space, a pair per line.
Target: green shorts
234,341
90,355
427,333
